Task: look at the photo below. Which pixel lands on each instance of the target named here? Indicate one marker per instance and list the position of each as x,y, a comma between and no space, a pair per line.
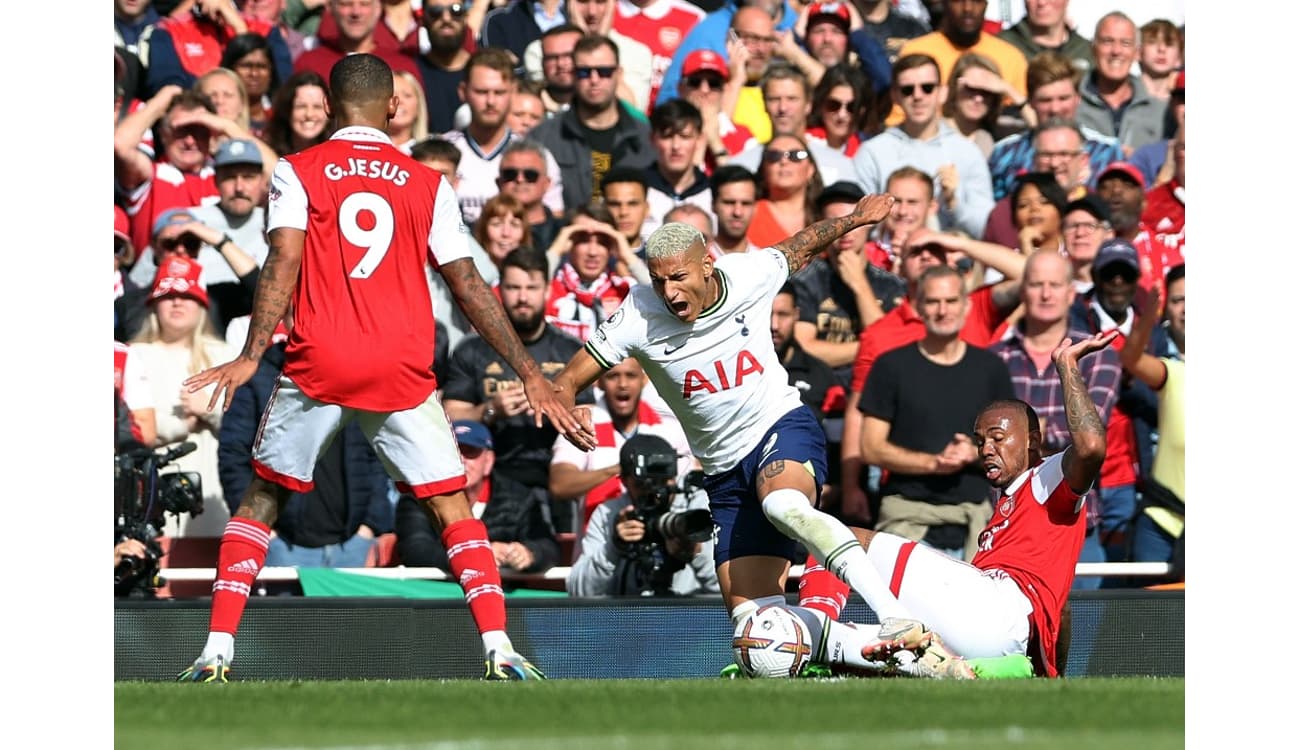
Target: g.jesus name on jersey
720,375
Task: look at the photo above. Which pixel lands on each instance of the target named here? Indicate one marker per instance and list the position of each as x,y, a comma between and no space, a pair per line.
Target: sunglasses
191,244
835,105
510,174
585,71
698,80
455,9
910,88
775,155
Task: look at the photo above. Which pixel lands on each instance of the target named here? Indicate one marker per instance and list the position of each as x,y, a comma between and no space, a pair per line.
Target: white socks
496,640
219,644
832,544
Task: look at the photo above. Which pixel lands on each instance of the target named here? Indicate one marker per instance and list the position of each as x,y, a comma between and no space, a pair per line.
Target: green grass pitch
1112,713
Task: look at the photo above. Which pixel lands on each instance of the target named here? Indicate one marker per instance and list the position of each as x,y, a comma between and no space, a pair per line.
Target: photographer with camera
653,540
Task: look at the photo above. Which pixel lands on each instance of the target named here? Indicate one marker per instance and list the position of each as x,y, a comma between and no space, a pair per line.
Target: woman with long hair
502,227
249,55
839,110
975,94
410,124
789,185
298,117
176,341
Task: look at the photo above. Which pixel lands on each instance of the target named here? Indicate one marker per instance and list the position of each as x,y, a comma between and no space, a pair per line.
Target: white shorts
416,446
978,613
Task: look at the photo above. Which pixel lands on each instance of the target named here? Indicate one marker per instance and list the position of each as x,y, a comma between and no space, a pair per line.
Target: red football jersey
1035,536
363,331
168,188
660,25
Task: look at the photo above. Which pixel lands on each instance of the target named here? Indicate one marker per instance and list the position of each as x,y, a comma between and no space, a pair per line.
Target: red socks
241,555
819,589
475,567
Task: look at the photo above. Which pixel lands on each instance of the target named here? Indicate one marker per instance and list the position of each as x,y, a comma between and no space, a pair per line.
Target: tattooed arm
484,311
275,287
807,242
1087,449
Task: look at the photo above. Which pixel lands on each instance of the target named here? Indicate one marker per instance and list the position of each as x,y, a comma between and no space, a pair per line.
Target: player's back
363,332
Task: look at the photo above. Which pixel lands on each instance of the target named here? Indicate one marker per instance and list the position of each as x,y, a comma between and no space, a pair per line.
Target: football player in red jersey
352,224
1012,598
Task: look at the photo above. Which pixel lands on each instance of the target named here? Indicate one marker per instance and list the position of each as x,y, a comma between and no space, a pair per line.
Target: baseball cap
1115,250
179,276
237,151
837,12
1091,203
840,192
471,433
1124,168
705,59
1180,83
171,217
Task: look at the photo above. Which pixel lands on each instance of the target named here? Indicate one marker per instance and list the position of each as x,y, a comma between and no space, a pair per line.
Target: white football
771,642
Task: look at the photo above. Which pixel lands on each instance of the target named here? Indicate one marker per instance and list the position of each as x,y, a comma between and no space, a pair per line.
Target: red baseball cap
179,277
1124,168
705,59
837,12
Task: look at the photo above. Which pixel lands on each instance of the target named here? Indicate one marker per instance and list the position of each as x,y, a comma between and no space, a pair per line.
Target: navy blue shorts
739,526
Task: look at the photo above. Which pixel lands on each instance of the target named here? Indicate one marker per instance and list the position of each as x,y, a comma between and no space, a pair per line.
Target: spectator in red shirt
989,307
183,176
356,23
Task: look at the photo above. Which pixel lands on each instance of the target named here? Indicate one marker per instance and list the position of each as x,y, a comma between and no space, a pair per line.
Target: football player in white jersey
700,331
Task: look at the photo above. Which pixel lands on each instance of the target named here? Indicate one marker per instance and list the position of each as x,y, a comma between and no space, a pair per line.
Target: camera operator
653,540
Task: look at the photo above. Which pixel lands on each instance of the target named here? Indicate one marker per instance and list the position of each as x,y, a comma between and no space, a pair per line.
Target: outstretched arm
581,371
1082,460
809,241
489,319
1145,367
275,287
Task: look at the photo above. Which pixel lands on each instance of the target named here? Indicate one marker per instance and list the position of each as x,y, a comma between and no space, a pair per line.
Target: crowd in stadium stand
571,129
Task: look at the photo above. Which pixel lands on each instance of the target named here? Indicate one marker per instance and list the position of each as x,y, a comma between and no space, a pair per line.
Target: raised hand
1067,352
228,377
872,208
585,436
546,403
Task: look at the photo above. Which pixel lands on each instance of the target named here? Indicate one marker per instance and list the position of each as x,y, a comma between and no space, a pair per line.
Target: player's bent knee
785,506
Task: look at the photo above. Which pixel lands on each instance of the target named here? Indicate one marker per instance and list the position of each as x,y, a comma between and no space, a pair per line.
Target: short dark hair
725,175
434,147
674,115
592,42
1015,404
526,259
1177,273
787,288
784,71
362,78
624,174
564,28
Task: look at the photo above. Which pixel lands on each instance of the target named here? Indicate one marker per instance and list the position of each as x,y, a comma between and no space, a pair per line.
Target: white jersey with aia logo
720,375
363,335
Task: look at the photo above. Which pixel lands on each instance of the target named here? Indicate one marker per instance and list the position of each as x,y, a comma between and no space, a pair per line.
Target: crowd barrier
1115,633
